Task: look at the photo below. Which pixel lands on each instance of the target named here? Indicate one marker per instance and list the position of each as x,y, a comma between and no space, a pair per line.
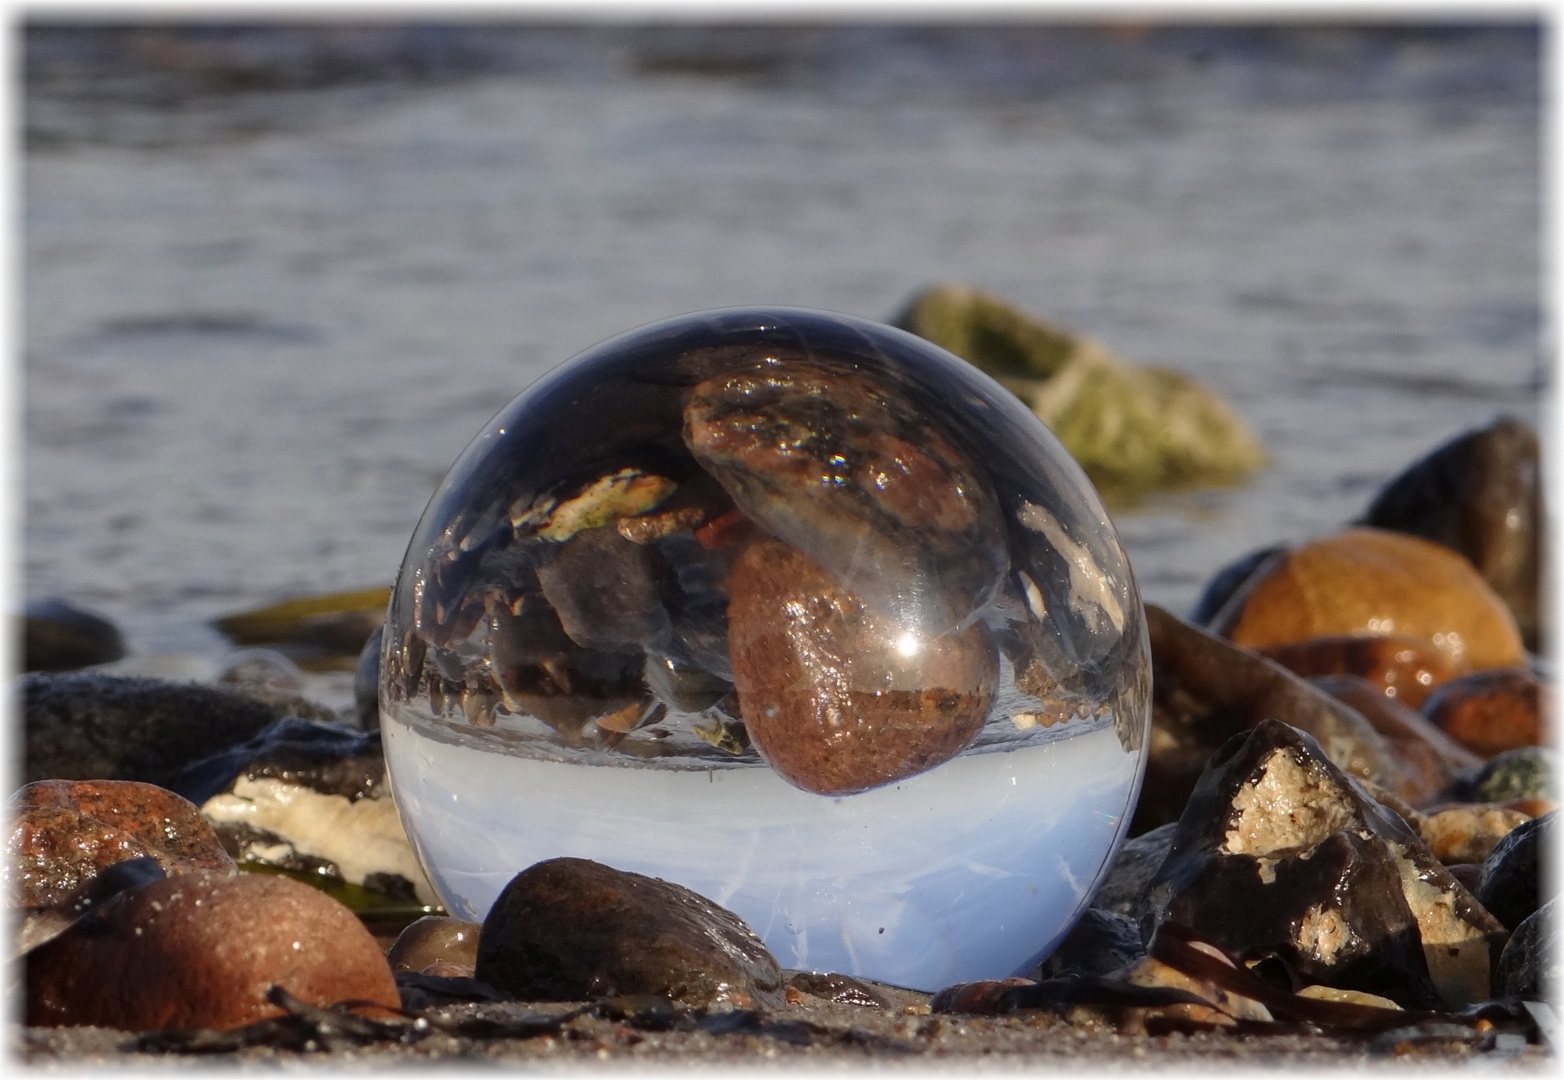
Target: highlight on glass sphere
793,609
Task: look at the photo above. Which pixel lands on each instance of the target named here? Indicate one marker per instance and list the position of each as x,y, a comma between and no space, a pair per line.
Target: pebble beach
276,277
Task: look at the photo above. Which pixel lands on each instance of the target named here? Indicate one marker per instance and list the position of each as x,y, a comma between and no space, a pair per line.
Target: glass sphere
793,609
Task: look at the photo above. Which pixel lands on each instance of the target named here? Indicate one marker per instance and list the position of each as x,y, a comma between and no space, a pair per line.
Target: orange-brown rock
834,695
65,832
1490,712
201,951
1375,583
1404,668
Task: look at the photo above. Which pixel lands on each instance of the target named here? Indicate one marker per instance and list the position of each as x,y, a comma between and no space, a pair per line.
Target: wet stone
829,696
844,471
1467,832
366,681
574,930
319,631
1490,712
311,797
1123,889
330,759
1406,669
1530,965
1289,866
843,989
1102,943
1511,884
201,951
1205,690
1429,761
1479,494
65,833
435,939
57,636
85,726
1524,773
1374,582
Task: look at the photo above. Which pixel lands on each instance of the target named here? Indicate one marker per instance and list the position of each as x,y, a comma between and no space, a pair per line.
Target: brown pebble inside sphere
836,696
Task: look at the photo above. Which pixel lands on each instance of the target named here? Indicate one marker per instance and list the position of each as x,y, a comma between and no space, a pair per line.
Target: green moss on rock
1133,429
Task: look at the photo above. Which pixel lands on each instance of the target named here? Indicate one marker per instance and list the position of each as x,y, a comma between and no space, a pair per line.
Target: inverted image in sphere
794,609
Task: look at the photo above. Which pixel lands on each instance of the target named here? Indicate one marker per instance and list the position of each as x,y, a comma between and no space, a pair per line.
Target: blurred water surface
276,277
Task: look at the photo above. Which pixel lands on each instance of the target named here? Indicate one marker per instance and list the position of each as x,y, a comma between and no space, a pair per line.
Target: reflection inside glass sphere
791,608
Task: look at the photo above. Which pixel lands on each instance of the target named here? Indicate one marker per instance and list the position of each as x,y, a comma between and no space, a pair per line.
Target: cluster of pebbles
1341,842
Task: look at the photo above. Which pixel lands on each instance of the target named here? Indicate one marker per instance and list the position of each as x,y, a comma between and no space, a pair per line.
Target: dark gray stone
1480,494
1205,689
1511,883
366,681
1123,891
1523,773
1102,943
329,758
57,636
85,726
1529,965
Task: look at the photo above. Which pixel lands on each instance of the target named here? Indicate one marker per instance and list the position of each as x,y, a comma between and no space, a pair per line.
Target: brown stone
1429,760
850,473
575,930
1375,583
201,951
1404,668
1490,712
1206,689
435,939
833,695
65,832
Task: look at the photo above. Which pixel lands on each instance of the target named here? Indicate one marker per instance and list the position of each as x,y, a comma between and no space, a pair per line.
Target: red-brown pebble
1490,712
827,697
65,832
1403,668
201,951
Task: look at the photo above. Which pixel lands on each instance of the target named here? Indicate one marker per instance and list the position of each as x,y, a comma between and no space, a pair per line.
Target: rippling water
275,278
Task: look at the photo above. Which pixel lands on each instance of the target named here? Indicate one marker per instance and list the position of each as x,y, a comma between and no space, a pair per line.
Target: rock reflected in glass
793,609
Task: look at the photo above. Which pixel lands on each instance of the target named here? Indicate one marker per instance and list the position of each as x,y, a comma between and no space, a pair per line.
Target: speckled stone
85,726
200,951
66,832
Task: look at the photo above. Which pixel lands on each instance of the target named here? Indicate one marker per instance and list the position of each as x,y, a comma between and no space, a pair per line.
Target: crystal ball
791,608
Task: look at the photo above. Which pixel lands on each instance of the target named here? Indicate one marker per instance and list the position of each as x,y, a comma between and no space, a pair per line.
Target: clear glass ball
791,608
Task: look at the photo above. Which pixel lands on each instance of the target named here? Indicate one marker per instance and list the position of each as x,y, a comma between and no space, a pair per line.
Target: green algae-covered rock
1133,429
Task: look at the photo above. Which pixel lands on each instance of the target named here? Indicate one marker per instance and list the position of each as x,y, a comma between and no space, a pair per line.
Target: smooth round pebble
201,951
